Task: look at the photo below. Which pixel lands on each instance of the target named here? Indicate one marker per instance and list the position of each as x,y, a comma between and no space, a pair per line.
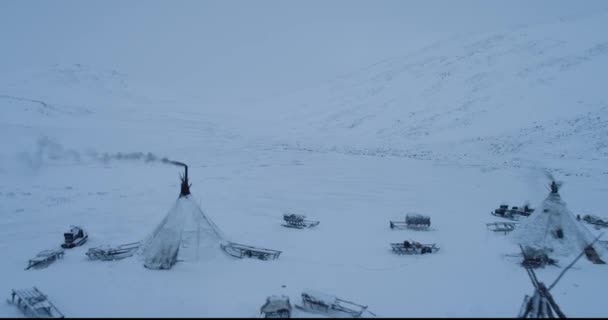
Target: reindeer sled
34,304
298,221
321,303
515,213
44,258
243,251
505,227
536,257
413,247
412,221
598,222
115,253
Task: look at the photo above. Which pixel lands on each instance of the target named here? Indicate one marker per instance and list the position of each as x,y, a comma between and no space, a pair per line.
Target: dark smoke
134,156
48,150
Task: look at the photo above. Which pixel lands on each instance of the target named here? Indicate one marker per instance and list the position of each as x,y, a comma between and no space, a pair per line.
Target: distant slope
66,84
518,97
86,108
534,92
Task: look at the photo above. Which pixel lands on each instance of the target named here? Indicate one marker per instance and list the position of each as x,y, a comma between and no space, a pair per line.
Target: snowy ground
244,182
245,192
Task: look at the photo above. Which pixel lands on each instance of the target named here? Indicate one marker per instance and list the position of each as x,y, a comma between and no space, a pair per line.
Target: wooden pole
572,263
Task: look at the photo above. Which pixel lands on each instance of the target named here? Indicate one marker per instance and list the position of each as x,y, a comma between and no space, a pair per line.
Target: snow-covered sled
329,305
75,237
525,211
505,227
413,247
276,307
44,258
536,257
243,251
115,253
412,221
503,212
515,213
298,221
34,304
595,220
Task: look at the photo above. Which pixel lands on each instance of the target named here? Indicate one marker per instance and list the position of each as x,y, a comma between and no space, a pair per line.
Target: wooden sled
320,303
412,221
44,258
116,253
34,304
514,214
505,227
243,251
596,221
298,221
413,247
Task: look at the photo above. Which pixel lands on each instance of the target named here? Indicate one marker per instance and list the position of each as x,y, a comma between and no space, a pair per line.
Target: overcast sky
235,51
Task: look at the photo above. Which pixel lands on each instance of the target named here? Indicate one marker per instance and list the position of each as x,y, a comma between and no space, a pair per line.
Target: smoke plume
133,156
48,150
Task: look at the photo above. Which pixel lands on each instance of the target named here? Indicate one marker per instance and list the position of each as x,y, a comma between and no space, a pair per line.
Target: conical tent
185,234
553,227
201,238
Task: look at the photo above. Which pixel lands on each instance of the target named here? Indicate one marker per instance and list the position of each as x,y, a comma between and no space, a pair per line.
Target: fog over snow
352,113
234,51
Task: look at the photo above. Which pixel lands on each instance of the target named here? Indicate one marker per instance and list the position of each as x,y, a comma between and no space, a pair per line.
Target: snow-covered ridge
514,93
84,86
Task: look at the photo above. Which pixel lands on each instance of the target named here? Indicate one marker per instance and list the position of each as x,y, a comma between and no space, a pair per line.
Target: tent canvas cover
185,234
542,229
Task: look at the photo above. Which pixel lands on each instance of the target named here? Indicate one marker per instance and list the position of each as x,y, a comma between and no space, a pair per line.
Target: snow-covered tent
553,227
185,234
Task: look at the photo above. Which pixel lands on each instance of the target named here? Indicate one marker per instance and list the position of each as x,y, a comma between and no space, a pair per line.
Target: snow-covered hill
530,93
